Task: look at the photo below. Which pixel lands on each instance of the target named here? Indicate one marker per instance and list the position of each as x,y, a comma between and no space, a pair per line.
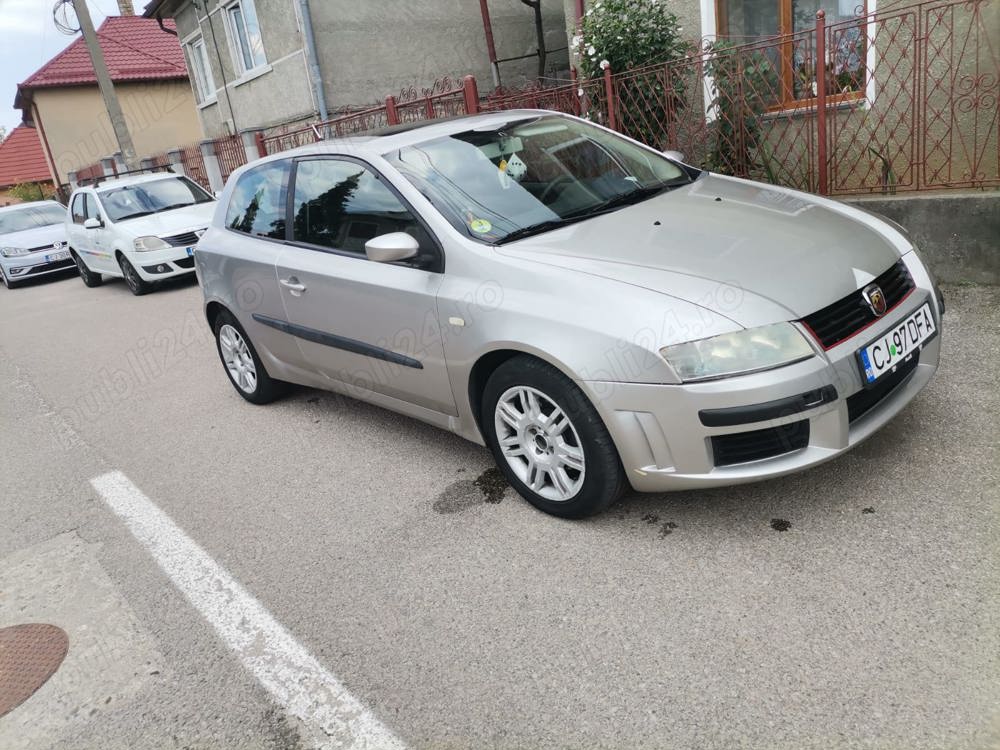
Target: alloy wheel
540,443
237,358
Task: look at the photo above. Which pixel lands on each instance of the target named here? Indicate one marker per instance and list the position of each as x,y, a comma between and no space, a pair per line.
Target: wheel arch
486,365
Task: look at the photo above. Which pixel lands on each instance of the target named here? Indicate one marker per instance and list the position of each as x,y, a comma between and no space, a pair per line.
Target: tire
261,388
90,278
7,282
133,280
574,467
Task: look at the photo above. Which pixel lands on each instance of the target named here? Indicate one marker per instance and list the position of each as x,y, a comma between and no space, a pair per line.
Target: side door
74,232
370,325
238,263
96,241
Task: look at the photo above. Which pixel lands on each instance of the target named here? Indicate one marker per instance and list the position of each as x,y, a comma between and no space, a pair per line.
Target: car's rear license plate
53,257
897,344
190,251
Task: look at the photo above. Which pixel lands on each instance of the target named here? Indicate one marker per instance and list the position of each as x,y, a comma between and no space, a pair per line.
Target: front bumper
33,265
668,436
162,264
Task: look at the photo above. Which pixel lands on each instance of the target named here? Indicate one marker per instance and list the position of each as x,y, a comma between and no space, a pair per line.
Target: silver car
596,313
32,241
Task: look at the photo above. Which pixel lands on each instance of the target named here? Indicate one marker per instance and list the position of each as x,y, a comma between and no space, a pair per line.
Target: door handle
293,285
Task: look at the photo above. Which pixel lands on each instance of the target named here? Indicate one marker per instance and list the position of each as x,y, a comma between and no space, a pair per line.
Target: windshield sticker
480,226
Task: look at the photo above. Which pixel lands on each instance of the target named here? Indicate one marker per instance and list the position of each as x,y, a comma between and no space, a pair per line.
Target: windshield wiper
172,206
542,226
135,215
625,199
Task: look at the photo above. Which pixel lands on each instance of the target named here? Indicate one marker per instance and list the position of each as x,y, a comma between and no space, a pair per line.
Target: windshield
151,197
31,217
532,175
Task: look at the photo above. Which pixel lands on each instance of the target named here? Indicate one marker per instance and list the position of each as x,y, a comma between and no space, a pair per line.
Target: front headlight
11,252
145,244
739,353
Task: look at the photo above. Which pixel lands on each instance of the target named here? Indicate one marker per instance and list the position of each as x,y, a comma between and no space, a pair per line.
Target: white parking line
293,676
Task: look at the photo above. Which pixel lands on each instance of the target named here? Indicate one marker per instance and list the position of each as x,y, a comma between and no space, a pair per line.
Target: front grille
865,400
186,239
46,267
847,316
754,445
187,262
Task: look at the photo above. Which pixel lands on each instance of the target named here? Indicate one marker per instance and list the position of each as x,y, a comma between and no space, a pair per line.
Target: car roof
383,140
30,204
137,179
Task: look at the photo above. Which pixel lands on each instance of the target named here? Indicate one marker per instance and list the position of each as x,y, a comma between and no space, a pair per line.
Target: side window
93,212
78,210
341,205
257,205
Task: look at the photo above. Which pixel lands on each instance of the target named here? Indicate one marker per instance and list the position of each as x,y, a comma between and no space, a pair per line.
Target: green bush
627,35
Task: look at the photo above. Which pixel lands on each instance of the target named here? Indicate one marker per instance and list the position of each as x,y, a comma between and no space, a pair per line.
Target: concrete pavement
459,615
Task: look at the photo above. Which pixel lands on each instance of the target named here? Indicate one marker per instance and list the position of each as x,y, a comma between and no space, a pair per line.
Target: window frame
718,26
235,40
285,187
434,255
199,62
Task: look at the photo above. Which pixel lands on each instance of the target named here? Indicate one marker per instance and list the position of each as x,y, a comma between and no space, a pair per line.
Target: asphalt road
459,615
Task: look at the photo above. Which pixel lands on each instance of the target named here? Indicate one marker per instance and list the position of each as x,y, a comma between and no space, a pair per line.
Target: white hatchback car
141,227
32,241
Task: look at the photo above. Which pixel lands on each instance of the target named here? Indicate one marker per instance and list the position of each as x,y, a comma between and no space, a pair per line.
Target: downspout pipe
315,77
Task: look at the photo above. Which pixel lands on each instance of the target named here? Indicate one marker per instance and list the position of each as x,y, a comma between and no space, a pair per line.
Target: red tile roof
135,49
22,158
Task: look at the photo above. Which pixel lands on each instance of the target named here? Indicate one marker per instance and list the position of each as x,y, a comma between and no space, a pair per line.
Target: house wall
366,52
278,93
79,131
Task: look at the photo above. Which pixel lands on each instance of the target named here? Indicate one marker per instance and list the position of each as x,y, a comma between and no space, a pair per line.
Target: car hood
751,252
170,222
35,237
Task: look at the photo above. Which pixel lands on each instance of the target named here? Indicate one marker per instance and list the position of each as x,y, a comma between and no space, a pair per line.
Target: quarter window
245,34
258,203
341,205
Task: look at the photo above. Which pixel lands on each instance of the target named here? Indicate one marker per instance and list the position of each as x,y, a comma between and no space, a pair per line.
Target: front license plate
53,257
190,251
897,344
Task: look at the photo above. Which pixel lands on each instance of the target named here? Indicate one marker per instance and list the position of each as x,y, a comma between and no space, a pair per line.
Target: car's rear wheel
89,278
549,441
242,364
136,284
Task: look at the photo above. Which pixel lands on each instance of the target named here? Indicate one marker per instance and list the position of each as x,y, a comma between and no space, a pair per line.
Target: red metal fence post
258,138
391,113
820,67
609,92
470,91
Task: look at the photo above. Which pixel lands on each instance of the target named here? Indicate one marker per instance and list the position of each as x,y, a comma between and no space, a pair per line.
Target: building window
244,32
204,84
793,56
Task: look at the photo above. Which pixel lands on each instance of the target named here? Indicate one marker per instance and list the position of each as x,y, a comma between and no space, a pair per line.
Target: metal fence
886,102
904,100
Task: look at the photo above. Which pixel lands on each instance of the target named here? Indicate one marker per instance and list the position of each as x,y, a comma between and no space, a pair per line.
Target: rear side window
341,204
78,211
257,205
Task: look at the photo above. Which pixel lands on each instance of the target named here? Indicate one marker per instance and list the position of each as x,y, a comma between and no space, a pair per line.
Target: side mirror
388,248
217,194
92,224
674,155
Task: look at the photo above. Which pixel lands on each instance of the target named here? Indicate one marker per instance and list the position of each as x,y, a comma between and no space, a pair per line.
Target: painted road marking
293,676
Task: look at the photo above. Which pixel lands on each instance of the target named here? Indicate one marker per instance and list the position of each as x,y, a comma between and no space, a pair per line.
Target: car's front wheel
7,282
549,440
242,364
136,284
89,278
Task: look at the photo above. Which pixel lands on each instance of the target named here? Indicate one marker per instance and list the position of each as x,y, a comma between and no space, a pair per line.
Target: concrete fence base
957,233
